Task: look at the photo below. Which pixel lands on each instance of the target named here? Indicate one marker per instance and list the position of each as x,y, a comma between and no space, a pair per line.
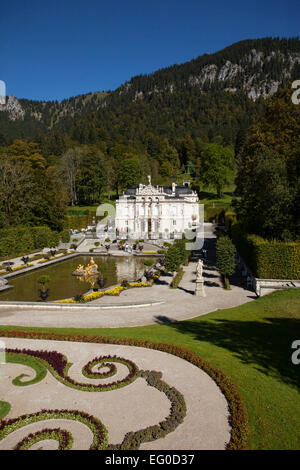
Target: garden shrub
42,236
125,283
19,240
177,278
216,213
230,218
14,241
65,236
148,262
225,258
76,222
176,255
268,259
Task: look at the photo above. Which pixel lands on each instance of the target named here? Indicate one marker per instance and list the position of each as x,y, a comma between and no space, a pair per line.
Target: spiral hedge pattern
238,412
57,364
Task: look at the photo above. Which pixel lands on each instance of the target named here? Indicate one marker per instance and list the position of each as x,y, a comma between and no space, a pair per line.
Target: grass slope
252,345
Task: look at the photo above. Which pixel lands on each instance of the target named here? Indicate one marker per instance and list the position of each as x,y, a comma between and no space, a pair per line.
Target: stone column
199,290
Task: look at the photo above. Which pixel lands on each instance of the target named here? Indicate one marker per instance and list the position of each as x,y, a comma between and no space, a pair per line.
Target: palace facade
156,212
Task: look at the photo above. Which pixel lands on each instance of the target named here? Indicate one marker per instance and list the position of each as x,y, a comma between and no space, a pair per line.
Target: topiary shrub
225,258
177,278
148,262
65,236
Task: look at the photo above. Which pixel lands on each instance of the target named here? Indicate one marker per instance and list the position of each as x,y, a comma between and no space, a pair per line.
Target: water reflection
64,285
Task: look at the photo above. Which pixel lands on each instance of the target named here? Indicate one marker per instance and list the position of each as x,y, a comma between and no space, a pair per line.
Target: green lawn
210,198
94,207
252,345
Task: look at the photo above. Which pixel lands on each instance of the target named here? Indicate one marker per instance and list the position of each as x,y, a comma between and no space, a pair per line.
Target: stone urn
44,294
101,282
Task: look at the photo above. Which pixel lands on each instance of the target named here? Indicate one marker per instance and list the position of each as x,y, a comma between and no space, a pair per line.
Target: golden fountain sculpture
89,270
87,274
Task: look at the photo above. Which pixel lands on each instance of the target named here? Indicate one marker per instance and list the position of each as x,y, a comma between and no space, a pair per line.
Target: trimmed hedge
81,219
65,236
19,240
230,219
177,278
268,259
76,222
216,213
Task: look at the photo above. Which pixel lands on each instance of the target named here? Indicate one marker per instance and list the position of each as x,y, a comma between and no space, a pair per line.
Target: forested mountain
215,94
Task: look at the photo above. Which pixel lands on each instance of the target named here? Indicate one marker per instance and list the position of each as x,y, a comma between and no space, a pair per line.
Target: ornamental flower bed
16,268
237,407
46,259
138,284
58,366
115,291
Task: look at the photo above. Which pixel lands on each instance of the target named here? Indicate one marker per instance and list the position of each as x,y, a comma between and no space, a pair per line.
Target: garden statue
92,267
199,288
90,270
79,271
199,268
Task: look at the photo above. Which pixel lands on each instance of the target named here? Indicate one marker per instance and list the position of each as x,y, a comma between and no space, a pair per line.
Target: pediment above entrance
148,190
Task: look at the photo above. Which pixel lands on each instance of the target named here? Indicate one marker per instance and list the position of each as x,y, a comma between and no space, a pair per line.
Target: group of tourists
130,248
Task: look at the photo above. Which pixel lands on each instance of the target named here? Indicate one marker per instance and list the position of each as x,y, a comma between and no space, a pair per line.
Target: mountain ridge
252,68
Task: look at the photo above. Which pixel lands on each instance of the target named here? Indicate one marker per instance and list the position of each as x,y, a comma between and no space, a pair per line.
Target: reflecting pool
63,285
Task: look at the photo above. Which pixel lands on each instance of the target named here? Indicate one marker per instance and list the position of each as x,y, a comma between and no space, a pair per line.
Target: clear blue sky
57,49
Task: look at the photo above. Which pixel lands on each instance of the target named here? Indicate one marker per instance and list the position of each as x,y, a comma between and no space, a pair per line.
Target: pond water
63,285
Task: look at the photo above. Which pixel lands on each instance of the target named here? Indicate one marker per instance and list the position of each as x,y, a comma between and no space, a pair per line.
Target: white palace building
156,212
